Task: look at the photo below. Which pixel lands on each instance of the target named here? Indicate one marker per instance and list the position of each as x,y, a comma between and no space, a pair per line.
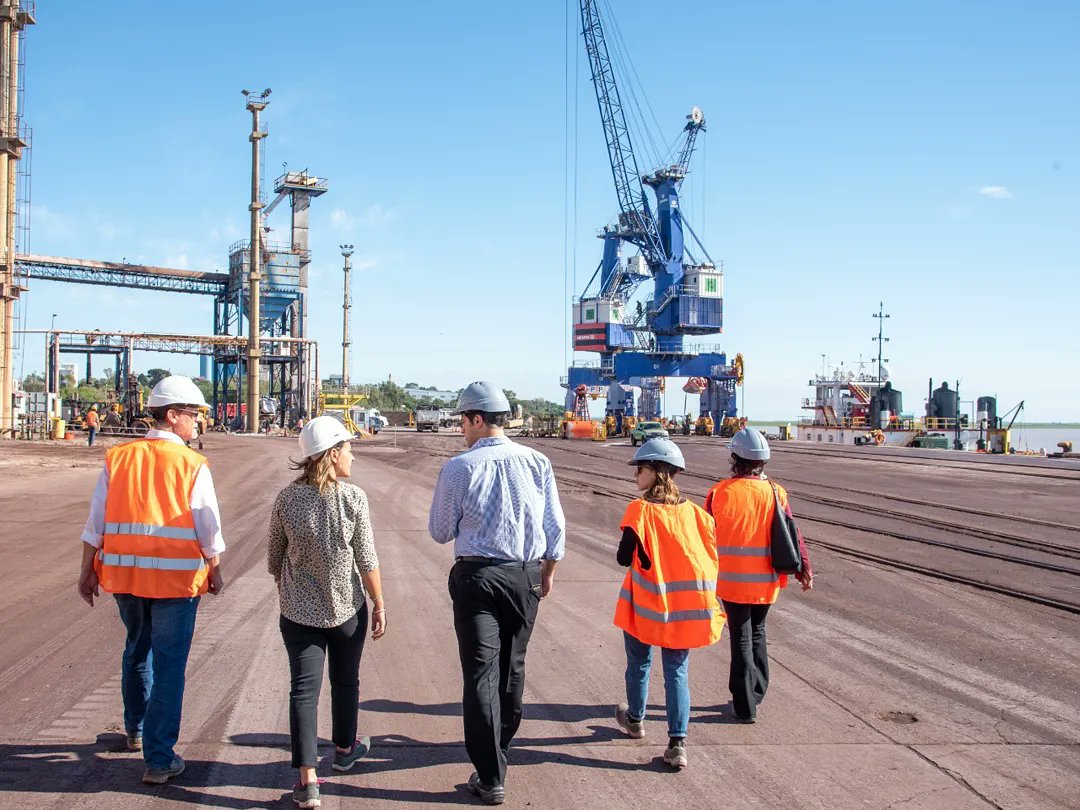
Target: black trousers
749,676
494,612
307,647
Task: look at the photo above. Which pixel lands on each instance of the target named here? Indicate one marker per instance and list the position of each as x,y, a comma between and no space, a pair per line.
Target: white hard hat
749,444
660,450
176,390
320,434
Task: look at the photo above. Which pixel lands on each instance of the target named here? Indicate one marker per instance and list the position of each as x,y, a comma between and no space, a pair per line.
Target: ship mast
881,340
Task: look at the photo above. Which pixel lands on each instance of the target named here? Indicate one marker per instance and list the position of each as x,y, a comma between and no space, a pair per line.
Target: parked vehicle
643,431
429,419
369,419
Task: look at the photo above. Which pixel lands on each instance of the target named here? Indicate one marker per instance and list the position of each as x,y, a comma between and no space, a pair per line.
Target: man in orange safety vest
152,540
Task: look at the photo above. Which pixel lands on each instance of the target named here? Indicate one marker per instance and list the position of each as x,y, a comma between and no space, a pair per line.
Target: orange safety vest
150,547
743,509
91,419
673,604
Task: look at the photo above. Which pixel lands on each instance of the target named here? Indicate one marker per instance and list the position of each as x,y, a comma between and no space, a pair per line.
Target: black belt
495,561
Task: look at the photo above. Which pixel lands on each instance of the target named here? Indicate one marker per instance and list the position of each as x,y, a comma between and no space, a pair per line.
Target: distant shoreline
1017,426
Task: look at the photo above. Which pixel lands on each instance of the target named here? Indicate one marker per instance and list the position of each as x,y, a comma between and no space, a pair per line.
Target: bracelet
380,610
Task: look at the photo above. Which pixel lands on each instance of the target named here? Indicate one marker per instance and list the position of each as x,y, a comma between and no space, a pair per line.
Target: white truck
429,419
369,419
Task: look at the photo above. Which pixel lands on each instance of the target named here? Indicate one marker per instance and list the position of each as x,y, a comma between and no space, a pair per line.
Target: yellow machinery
703,426
341,406
732,425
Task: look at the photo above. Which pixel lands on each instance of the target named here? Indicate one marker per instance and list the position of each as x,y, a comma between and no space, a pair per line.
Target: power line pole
347,252
881,340
256,103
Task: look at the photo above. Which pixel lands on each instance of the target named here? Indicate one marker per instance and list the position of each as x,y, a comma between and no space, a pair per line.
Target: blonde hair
664,488
318,471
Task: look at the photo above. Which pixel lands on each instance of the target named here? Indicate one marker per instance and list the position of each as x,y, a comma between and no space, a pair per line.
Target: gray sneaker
493,794
342,762
307,795
634,728
159,776
675,755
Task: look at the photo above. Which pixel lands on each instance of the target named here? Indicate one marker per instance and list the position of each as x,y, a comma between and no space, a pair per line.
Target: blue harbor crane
641,345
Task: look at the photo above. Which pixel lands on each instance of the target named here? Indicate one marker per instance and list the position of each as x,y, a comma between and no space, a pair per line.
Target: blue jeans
159,635
676,683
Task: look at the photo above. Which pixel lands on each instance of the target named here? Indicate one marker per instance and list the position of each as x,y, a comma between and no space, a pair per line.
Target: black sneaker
307,795
159,776
489,794
342,762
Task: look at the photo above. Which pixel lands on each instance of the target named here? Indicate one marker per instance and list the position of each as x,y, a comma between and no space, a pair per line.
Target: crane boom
637,224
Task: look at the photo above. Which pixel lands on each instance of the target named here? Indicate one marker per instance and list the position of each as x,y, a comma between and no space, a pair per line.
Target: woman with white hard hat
321,552
744,507
668,598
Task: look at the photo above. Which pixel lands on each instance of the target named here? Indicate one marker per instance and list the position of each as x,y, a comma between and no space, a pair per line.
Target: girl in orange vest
743,507
668,598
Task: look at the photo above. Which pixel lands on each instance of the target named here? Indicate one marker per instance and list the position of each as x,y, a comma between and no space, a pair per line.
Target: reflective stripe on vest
730,576
702,614
661,588
150,530
742,551
160,563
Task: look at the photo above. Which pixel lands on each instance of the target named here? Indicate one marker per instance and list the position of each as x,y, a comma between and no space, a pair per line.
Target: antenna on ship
881,340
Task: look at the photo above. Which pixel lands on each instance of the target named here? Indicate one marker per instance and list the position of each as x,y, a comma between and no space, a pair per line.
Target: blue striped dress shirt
498,499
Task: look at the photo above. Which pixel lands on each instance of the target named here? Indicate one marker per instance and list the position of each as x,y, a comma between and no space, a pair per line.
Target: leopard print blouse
317,547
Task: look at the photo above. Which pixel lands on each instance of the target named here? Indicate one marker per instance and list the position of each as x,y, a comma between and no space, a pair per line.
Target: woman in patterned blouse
321,552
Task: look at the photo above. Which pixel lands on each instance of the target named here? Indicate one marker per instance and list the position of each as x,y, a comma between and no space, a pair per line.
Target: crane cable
570,179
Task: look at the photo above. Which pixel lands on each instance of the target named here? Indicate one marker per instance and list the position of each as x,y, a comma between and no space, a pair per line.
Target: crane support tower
640,344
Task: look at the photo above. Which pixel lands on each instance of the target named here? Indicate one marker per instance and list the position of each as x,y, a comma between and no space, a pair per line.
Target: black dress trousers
495,606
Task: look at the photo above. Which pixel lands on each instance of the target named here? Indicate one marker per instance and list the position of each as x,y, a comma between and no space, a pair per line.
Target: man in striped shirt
498,503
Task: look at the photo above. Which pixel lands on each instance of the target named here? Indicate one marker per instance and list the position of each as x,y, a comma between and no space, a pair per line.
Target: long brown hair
664,488
318,471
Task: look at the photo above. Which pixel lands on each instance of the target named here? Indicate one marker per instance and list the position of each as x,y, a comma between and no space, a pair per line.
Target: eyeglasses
638,470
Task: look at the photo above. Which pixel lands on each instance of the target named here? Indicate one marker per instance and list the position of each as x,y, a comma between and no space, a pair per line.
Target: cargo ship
856,408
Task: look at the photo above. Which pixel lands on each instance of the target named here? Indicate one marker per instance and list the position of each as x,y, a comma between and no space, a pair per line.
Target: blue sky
924,154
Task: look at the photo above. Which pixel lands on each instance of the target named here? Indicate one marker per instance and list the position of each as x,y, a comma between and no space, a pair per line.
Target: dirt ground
889,688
